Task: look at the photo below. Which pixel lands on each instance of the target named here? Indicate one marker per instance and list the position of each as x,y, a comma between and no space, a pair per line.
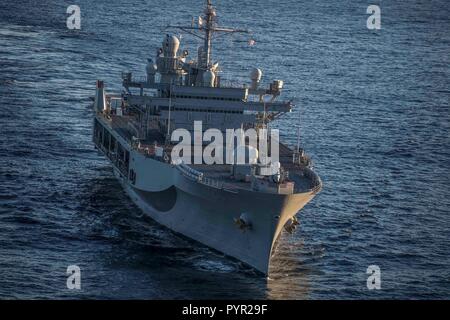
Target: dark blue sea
374,111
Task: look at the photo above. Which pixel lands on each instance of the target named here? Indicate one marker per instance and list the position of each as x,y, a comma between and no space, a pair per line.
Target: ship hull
239,222
208,215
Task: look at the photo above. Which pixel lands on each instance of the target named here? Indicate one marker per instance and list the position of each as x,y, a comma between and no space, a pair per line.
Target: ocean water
373,108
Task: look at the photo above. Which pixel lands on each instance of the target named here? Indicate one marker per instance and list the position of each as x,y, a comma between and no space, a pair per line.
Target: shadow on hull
163,201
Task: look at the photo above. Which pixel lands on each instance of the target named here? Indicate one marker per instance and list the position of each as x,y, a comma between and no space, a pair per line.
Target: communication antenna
208,26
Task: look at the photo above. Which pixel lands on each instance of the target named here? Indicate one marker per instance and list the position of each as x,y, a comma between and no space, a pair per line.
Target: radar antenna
207,25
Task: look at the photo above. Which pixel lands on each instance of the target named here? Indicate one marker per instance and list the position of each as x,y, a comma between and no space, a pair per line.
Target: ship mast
207,25
210,15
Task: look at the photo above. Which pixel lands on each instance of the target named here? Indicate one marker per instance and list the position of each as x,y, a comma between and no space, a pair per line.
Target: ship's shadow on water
167,261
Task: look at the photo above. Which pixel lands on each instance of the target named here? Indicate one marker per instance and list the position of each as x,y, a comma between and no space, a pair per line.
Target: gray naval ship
236,208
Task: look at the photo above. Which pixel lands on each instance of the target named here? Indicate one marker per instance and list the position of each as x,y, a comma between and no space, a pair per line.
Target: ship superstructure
236,208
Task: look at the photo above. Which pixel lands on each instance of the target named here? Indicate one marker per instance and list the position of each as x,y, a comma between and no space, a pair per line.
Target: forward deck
217,175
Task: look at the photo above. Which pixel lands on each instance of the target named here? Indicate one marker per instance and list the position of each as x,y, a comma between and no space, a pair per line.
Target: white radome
250,154
256,75
171,44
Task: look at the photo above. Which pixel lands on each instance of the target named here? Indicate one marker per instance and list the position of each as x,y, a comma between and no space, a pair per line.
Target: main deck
216,175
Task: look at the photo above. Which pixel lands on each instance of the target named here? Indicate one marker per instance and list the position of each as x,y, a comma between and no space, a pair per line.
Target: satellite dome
170,45
209,78
256,74
246,153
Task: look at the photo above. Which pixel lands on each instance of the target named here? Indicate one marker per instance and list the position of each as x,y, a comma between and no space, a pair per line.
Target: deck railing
197,176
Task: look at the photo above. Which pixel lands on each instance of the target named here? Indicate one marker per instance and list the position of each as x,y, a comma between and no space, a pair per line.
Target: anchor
291,225
243,222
